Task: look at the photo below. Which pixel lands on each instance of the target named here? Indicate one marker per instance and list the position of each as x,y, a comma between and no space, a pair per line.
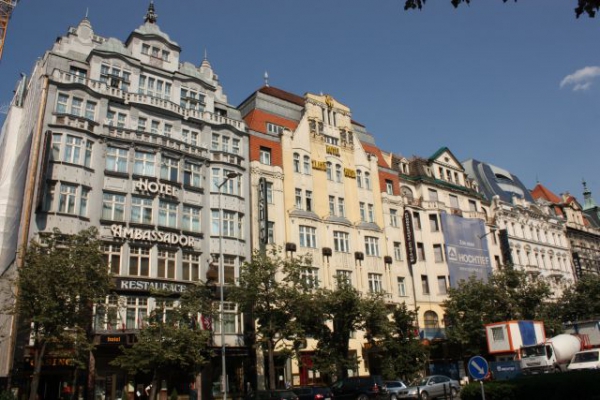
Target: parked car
394,387
313,392
587,359
430,387
283,394
360,388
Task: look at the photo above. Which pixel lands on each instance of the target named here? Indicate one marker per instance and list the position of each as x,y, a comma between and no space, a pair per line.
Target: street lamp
228,177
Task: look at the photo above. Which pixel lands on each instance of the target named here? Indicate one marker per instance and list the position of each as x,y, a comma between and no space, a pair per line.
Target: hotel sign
263,212
145,185
409,238
149,235
319,165
349,173
335,151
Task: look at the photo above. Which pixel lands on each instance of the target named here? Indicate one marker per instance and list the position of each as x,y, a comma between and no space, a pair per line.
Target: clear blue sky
483,80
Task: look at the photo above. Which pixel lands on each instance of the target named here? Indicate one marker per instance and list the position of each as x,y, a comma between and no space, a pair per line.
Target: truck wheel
424,396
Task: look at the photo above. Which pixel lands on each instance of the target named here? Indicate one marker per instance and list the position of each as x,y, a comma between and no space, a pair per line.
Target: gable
445,157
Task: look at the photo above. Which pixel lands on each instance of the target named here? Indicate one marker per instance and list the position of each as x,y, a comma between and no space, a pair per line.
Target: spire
205,62
151,16
266,76
588,201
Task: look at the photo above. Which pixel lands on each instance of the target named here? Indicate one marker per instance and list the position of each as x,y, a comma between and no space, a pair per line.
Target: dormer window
145,49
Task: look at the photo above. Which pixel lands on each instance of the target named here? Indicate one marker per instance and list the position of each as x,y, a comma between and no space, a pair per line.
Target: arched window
431,319
306,165
328,171
338,173
367,180
359,178
296,162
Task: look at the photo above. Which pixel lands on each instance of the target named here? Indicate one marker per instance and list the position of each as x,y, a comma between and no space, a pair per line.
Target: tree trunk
154,388
271,364
37,369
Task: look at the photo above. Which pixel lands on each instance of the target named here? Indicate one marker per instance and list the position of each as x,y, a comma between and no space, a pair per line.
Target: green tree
582,300
509,294
404,356
172,338
589,7
62,278
270,288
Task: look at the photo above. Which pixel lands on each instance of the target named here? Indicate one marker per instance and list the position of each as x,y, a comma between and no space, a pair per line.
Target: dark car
283,394
313,392
360,388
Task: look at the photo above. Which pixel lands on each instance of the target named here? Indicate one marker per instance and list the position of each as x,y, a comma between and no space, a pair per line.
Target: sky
514,84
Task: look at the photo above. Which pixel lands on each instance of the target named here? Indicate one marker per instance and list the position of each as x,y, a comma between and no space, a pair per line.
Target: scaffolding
6,8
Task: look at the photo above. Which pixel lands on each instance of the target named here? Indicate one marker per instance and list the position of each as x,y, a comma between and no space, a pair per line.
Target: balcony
147,137
433,205
75,122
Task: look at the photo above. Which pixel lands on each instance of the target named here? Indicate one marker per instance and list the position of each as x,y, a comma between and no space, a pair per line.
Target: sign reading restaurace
123,232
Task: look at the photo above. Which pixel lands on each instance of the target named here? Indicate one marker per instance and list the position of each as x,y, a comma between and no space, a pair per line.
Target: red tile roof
282,94
369,148
541,192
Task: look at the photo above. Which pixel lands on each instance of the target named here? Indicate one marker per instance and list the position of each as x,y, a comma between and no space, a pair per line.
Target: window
306,165
438,253
141,210
142,124
265,155
433,223
112,258
359,179
362,211
113,207
296,162
274,129
72,151
67,198
375,283
151,86
136,313
442,288
371,214
270,232
229,222
424,284
83,202
298,197
145,49
192,174
311,277
169,169
367,180
116,159
191,99
190,220
166,264
78,74
389,187
225,146
454,201
269,187
420,252
215,142
235,146
139,261
114,118
433,195
372,246
308,198
328,171
228,185
90,110
167,214
393,217
398,251
344,276
190,266
472,205
229,319
401,286
341,241
416,220
144,163
431,320
115,77
498,334
76,104
338,173
308,236
331,205
154,126
341,207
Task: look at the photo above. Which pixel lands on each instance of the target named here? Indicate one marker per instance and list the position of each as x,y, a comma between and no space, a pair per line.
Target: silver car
431,387
394,387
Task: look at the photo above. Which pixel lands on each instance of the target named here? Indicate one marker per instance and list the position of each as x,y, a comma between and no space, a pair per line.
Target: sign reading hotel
145,185
467,251
149,235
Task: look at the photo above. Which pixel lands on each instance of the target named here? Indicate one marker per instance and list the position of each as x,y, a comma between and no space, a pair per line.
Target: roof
282,94
369,148
542,192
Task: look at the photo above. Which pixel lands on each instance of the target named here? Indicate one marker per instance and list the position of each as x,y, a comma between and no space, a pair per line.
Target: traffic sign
478,367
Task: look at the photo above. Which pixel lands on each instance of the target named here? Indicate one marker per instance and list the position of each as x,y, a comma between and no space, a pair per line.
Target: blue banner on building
467,251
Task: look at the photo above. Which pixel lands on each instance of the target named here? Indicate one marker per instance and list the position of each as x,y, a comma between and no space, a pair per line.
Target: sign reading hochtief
150,235
467,251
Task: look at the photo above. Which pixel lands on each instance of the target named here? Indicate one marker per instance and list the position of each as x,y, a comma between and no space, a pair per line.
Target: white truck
552,356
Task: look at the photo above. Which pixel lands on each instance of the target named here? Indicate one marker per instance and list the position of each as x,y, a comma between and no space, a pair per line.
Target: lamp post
228,177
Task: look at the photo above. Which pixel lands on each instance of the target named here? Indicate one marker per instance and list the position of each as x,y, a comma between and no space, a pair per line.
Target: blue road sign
478,367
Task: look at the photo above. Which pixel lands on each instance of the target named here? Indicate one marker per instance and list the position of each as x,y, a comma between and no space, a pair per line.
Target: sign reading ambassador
149,235
467,251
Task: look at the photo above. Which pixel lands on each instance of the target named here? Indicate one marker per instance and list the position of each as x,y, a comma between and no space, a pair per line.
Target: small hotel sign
144,185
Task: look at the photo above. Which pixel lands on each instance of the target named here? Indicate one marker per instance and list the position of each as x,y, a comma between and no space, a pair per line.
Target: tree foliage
509,294
172,338
582,300
62,278
589,7
404,356
270,288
